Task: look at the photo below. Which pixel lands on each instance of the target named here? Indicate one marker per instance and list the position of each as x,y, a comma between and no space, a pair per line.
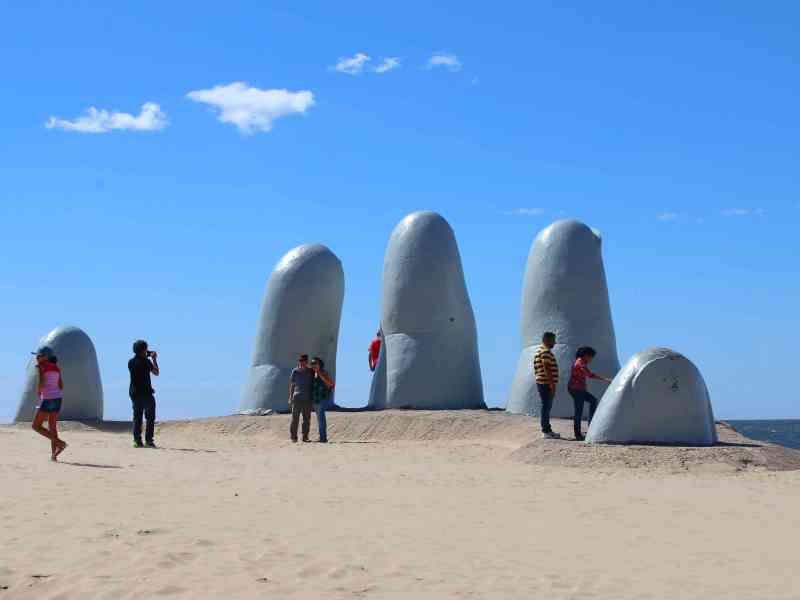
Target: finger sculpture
564,291
429,356
658,397
300,314
77,359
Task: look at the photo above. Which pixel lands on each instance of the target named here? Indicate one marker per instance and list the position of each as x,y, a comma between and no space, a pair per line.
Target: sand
467,504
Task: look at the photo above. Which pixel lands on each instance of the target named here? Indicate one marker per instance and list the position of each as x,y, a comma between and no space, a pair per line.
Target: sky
157,160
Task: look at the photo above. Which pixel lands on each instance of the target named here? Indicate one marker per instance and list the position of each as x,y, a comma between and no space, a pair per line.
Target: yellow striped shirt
545,366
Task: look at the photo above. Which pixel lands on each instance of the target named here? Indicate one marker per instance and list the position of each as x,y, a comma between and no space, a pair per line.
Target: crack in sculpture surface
429,356
564,291
300,313
83,390
658,397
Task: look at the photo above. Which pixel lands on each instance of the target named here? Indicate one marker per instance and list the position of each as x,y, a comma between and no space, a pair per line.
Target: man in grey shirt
300,397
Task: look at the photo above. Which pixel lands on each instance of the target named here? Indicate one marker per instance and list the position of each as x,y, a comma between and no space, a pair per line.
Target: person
143,363
374,351
300,397
50,388
577,386
321,387
545,368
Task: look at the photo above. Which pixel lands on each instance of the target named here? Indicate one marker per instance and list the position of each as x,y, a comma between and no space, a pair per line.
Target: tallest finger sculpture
429,356
564,291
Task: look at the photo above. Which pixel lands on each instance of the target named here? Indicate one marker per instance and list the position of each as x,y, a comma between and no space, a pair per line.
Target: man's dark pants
547,405
579,397
144,406
300,408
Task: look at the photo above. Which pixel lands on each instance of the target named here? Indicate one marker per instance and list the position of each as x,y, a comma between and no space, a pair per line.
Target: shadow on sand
683,445
91,465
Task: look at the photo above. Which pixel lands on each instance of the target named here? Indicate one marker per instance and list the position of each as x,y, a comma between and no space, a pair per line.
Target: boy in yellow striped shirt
545,368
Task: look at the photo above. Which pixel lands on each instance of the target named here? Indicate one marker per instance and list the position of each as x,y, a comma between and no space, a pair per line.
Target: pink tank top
50,375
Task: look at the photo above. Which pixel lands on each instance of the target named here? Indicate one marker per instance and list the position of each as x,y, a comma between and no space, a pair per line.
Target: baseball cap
44,351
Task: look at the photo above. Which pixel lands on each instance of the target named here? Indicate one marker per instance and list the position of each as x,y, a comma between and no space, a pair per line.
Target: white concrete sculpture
429,355
564,291
77,359
300,314
658,397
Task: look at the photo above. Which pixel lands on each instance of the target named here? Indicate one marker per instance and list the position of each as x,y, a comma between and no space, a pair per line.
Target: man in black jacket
142,393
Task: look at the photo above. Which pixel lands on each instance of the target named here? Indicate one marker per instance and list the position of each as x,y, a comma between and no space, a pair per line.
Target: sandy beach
468,504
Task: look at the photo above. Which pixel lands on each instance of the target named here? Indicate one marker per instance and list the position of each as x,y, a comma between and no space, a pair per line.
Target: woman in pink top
577,386
50,389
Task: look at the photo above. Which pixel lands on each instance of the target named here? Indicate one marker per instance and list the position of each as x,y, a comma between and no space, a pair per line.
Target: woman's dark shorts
51,405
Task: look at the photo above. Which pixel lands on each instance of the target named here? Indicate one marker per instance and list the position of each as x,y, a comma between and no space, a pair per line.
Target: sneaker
294,440
151,444
550,435
306,440
137,444
579,437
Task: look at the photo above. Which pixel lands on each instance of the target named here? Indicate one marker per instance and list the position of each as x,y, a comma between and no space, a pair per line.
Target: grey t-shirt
301,378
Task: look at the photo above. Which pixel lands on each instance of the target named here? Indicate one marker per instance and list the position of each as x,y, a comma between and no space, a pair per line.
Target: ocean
785,432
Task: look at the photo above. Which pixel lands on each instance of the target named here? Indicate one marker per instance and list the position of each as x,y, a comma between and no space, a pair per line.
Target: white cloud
524,212
445,59
252,109
352,65
743,212
151,118
668,216
388,64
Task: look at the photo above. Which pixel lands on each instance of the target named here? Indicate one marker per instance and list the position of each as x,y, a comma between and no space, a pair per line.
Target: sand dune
467,504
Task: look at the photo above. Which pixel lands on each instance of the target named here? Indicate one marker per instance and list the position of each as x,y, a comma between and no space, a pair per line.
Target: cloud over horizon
151,118
252,109
524,212
446,60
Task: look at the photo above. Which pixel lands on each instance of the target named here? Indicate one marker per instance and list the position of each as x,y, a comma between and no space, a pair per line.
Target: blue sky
671,127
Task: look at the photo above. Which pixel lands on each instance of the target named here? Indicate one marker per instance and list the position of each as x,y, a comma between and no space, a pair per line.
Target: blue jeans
322,420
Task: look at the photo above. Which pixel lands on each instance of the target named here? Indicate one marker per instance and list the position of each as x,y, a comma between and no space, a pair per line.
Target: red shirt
580,372
49,378
375,350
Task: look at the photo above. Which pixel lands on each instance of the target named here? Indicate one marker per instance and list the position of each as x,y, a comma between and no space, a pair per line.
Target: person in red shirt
50,388
374,351
577,386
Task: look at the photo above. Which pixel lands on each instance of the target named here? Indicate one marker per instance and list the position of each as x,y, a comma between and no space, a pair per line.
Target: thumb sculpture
77,359
564,291
300,314
659,397
429,356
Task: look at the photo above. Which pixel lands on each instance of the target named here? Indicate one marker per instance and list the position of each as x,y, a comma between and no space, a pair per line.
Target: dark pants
300,408
547,405
144,406
579,397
